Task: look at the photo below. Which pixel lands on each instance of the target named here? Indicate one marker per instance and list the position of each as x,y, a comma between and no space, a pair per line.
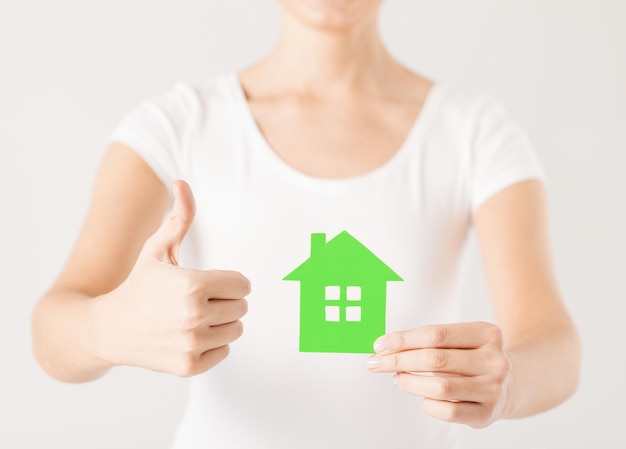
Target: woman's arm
127,204
121,299
483,372
539,336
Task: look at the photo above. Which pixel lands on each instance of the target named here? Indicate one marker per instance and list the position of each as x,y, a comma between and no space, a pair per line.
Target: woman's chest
335,139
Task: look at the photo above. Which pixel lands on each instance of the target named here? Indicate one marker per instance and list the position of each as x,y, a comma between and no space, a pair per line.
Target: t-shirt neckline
335,185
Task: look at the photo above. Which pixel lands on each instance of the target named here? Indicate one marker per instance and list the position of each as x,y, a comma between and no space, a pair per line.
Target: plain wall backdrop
70,69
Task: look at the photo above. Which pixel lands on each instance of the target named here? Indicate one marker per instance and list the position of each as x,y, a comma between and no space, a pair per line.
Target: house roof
340,260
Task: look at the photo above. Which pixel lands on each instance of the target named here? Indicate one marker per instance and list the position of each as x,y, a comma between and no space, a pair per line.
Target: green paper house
343,288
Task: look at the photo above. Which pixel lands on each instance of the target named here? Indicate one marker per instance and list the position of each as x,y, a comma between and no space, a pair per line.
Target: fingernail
373,362
395,379
380,345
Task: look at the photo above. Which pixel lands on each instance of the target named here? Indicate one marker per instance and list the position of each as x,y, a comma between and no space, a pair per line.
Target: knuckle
449,411
503,367
190,316
189,286
444,389
438,336
437,359
396,342
190,341
493,334
187,365
453,411
394,362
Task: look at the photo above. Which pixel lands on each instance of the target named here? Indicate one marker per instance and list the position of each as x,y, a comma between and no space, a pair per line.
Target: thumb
165,242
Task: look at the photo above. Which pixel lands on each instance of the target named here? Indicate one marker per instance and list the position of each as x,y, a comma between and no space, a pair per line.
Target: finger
222,311
468,362
221,335
212,357
192,365
205,337
465,389
458,335
473,414
223,284
165,243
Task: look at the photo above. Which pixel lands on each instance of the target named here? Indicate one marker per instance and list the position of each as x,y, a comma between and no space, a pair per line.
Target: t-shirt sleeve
155,129
502,154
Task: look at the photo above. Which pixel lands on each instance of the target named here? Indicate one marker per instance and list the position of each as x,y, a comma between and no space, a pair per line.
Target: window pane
354,293
353,314
332,293
332,313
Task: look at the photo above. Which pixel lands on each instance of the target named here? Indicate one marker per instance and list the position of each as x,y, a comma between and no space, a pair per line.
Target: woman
326,134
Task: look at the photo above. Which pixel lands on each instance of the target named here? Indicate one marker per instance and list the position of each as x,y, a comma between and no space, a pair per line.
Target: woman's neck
327,62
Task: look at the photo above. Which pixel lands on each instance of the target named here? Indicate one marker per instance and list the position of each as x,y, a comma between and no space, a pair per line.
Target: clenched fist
167,318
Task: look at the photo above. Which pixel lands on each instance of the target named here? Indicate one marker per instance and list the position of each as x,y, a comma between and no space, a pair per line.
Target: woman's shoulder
193,94
470,106
457,99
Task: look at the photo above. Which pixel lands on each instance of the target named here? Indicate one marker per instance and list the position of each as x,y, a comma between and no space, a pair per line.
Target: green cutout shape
343,288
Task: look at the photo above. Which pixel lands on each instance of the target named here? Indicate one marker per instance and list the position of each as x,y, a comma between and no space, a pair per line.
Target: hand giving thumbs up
167,318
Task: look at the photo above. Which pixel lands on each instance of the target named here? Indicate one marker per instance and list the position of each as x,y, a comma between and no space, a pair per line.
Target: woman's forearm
63,337
545,370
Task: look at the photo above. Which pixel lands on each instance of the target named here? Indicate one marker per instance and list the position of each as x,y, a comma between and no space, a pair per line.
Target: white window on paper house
333,313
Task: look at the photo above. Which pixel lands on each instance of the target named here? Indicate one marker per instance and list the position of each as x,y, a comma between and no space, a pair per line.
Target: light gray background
69,69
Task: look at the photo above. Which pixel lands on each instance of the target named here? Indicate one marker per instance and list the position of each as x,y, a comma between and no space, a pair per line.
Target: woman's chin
332,14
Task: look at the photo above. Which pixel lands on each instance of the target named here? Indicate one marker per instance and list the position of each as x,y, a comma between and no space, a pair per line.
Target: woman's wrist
95,333
71,356
512,393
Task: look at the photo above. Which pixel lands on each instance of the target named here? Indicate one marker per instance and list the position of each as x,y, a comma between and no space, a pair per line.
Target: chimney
317,243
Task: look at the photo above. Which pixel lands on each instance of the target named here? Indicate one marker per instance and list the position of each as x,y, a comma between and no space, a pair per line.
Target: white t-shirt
258,215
